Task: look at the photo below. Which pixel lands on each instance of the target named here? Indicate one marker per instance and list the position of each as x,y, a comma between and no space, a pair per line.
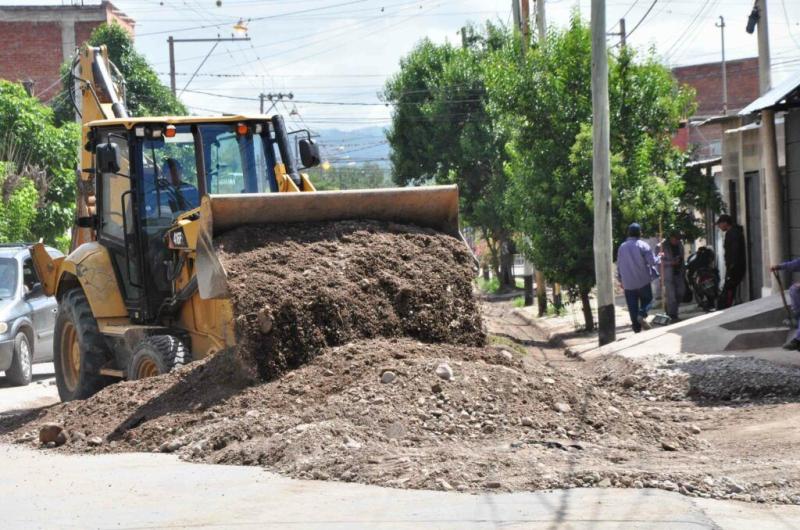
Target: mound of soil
299,288
382,411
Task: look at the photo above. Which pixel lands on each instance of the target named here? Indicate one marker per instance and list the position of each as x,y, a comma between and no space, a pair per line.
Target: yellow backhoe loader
142,290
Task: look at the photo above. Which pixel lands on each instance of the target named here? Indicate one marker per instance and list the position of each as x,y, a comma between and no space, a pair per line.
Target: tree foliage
358,176
38,155
442,130
545,101
514,131
145,94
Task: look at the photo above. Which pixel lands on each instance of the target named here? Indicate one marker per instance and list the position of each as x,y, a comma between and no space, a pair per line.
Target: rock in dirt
444,371
53,433
94,441
562,407
669,445
388,376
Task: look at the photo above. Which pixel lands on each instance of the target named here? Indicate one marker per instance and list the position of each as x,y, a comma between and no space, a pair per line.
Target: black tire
156,355
20,373
81,379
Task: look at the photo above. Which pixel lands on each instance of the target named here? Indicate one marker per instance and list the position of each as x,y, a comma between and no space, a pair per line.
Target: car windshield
8,277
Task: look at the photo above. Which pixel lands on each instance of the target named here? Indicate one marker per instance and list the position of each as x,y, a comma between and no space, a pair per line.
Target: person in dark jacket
735,259
671,253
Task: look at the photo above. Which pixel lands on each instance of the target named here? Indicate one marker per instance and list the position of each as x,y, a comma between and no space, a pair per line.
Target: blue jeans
639,302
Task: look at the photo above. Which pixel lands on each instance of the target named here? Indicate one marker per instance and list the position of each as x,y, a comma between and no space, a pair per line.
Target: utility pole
622,34
769,151
601,176
515,12
171,41
721,26
541,22
274,99
261,98
525,19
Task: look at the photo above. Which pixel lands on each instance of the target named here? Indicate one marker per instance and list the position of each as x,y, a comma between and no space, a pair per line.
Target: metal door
752,183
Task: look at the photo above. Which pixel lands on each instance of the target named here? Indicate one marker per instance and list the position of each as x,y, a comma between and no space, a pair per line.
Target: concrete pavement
40,393
41,489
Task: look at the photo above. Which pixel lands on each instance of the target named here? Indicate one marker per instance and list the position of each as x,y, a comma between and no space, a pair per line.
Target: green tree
145,94
442,132
544,100
358,176
35,153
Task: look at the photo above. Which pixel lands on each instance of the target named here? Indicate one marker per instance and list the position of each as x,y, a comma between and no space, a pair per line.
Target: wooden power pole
541,21
769,149
601,176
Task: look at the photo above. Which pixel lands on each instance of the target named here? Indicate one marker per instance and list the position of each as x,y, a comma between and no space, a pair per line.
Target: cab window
115,201
169,177
235,163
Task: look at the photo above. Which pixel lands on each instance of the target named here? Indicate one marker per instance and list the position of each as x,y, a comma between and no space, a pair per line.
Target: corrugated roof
787,94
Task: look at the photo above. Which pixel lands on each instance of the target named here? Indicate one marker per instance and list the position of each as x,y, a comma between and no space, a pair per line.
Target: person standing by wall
735,259
671,254
794,296
636,268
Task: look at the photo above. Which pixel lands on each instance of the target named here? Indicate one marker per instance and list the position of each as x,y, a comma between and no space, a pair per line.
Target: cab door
118,221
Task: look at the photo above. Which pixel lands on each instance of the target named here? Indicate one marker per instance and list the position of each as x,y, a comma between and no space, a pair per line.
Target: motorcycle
702,277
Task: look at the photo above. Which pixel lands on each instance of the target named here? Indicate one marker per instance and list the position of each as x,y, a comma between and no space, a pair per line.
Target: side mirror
309,153
109,159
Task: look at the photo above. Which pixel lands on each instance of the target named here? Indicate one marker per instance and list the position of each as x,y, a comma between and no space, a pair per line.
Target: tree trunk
494,260
507,264
485,271
587,309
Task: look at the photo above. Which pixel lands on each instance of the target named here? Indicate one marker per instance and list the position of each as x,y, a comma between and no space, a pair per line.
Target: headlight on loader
3,327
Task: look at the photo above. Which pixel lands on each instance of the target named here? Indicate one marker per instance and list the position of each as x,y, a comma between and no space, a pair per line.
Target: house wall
37,39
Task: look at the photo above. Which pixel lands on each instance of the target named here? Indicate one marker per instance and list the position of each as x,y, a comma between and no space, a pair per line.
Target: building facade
37,39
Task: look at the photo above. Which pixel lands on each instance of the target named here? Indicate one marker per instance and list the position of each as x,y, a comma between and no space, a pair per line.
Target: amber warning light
169,132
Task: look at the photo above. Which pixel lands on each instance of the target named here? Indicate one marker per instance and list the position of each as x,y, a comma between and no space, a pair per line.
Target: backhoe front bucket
433,207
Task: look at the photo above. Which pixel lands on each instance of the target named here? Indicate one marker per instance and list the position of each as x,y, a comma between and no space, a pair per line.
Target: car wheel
20,373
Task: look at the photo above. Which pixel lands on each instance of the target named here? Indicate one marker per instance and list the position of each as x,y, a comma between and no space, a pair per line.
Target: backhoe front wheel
79,350
156,355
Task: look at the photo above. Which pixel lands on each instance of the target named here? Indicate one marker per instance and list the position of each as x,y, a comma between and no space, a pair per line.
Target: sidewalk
567,329
748,330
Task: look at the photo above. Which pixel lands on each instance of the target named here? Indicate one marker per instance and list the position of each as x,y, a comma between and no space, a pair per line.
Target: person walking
636,268
794,296
671,254
735,260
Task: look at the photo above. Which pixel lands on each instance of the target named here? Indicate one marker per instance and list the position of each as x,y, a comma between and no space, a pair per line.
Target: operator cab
150,171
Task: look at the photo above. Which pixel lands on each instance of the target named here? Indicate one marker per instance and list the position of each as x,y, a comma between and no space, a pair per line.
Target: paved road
41,489
41,393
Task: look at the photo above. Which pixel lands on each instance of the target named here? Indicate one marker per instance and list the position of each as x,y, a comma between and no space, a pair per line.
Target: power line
643,17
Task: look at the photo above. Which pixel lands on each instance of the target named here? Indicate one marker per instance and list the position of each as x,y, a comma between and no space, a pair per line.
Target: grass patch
518,301
519,282
488,286
505,342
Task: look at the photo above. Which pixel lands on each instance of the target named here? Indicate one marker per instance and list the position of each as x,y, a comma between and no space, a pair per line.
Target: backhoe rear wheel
156,355
79,349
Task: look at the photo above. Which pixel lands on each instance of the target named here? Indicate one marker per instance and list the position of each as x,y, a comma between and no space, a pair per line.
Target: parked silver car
27,316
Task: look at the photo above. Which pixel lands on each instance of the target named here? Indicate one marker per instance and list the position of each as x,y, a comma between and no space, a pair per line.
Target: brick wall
38,59
706,79
34,36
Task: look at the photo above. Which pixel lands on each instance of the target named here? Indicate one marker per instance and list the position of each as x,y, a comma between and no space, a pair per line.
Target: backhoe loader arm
96,96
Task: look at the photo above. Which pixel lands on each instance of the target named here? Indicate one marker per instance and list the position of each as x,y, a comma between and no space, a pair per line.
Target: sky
334,56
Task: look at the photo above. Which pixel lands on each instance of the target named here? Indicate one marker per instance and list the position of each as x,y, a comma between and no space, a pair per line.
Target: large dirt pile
299,288
395,412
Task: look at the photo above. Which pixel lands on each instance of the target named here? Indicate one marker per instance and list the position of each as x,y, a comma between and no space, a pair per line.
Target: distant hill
341,148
